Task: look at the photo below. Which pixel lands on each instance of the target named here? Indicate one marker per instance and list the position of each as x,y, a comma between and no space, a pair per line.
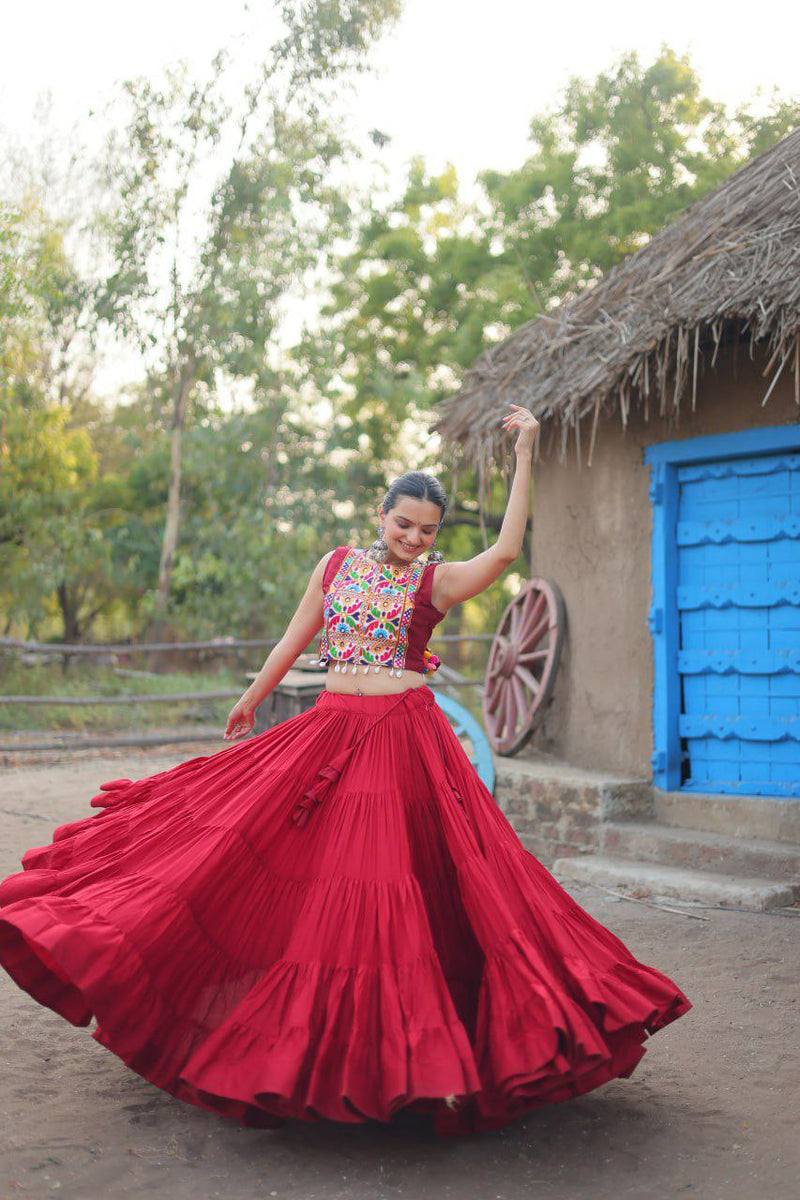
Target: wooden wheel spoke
496,656
501,711
536,633
524,674
523,704
496,715
532,656
534,604
508,710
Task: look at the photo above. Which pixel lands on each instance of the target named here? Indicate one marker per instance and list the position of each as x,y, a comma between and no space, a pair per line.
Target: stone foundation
559,810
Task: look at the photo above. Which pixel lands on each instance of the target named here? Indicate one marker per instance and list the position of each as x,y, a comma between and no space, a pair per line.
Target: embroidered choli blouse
377,617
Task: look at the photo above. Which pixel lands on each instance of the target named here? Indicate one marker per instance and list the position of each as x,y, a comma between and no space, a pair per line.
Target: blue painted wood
743,529
663,620
465,725
726,566
772,439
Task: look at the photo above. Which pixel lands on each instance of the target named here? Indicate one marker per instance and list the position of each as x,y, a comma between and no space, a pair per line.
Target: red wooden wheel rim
522,663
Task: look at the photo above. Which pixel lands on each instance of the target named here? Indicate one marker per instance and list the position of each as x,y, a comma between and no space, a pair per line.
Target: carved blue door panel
725,612
738,599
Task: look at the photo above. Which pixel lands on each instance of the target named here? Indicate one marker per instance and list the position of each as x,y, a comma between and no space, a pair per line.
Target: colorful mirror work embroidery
368,609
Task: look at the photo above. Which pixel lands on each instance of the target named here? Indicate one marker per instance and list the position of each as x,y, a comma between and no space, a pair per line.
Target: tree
13,299
45,182
432,282
256,180
618,157
50,549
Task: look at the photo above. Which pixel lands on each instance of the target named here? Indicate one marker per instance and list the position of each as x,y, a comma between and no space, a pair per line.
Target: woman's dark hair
419,486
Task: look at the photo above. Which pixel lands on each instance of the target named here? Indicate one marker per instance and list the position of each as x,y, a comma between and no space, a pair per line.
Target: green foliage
323,35
44,304
260,505
621,155
433,282
258,177
50,549
13,300
284,456
85,679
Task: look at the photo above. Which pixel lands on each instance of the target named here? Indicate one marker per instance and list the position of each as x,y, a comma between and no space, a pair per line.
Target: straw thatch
728,267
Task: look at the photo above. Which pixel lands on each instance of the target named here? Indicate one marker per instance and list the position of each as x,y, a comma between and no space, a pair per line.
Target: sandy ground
711,1111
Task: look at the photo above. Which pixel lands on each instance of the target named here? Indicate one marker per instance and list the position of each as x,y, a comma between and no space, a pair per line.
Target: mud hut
667,492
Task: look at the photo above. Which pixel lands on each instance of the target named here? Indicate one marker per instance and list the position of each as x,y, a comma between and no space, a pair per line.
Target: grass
86,679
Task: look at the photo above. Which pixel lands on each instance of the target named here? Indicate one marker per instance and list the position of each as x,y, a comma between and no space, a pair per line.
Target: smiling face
410,528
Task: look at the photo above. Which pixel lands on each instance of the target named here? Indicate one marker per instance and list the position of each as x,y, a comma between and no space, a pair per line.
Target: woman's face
410,528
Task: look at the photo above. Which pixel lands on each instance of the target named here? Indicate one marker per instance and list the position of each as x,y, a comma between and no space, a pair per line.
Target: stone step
671,846
763,817
647,880
542,789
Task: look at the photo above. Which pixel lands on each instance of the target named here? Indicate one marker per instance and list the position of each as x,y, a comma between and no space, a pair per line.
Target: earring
434,556
379,550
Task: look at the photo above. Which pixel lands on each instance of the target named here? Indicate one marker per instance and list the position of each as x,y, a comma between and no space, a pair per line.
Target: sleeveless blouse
377,617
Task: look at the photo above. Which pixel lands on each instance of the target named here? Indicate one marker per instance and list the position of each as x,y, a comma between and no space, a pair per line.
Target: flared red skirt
332,919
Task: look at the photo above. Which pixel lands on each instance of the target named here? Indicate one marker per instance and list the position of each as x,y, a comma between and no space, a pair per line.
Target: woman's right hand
240,719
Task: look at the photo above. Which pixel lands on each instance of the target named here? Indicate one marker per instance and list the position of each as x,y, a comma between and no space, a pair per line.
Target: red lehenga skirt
332,919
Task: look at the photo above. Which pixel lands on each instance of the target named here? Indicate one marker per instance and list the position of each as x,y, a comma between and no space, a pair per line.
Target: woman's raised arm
458,581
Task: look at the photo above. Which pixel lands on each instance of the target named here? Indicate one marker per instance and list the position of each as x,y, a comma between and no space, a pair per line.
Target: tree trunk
172,524
69,613
69,617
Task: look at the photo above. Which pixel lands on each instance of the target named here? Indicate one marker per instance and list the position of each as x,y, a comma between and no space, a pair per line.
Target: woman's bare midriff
372,683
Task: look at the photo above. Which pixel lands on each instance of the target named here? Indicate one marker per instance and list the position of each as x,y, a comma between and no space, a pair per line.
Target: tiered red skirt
332,919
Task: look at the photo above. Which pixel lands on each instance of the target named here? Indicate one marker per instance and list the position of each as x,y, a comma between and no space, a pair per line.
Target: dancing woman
333,919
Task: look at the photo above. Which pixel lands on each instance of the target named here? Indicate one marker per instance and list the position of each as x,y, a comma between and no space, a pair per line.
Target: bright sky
457,80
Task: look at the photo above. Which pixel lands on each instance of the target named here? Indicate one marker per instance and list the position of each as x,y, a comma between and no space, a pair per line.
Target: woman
333,919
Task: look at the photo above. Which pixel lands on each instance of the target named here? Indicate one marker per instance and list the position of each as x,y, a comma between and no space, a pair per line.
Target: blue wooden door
737,548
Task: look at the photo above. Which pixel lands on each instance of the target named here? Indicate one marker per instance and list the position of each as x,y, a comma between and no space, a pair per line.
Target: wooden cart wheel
522,664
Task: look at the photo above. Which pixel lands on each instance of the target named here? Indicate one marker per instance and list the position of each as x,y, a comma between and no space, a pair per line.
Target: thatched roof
727,267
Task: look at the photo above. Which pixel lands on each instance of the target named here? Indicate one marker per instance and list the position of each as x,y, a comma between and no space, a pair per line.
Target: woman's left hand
523,420
241,719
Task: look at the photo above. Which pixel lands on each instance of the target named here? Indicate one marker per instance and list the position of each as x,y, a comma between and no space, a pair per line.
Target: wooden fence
447,678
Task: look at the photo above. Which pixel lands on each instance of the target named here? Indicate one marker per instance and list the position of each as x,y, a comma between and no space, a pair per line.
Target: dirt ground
711,1111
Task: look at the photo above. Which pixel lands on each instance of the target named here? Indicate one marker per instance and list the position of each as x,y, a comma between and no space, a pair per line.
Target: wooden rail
133,647
124,648
448,678
161,698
